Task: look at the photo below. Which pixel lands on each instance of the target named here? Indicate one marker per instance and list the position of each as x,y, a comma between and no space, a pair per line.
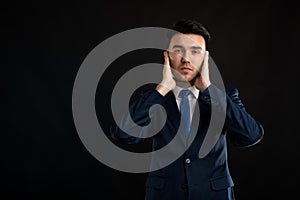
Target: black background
255,46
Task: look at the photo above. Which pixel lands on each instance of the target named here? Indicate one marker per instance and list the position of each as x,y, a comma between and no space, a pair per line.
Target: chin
189,77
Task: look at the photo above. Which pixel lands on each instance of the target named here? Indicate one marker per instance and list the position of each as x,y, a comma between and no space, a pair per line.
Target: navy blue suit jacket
191,177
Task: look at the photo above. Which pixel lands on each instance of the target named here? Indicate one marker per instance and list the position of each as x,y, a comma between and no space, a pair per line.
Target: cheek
175,63
194,73
197,63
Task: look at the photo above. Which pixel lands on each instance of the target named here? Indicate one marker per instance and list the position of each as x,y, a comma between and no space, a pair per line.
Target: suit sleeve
242,129
139,112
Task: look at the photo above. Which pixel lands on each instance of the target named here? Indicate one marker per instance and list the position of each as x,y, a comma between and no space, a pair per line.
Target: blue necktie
185,111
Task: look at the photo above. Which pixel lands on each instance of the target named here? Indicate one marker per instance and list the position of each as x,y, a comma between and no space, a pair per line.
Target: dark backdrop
255,46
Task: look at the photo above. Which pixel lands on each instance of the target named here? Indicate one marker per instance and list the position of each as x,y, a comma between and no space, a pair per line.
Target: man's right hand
168,83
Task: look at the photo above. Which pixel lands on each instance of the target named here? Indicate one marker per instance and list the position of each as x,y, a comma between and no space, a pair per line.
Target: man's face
186,52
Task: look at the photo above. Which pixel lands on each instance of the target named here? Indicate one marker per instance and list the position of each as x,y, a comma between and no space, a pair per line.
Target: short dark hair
190,26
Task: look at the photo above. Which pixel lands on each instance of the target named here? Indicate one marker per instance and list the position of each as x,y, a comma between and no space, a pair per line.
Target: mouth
186,69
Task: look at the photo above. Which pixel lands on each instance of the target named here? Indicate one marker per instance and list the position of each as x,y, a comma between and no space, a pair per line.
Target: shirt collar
193,89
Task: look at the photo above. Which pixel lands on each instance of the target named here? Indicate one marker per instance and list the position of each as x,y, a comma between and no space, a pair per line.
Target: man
186,84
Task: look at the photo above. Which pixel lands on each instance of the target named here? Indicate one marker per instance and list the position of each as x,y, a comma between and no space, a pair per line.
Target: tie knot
184,93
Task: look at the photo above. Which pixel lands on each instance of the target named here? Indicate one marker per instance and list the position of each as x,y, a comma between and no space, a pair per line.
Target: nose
185,58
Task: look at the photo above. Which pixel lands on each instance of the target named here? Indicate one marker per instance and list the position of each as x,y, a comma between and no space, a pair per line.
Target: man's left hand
202,82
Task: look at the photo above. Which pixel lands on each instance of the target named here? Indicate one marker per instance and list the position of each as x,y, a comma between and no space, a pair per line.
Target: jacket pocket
155,182
221,182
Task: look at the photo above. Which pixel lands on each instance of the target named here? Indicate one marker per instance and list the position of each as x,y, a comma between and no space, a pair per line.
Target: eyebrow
181,47
196,47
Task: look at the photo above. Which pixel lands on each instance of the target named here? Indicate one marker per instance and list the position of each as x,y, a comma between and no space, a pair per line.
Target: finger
206,56
205,60
166,56
205,69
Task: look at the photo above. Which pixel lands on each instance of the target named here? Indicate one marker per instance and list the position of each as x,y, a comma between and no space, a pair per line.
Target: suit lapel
172,109
174,117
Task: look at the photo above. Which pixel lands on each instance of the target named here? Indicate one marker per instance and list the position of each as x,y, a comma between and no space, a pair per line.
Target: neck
185,84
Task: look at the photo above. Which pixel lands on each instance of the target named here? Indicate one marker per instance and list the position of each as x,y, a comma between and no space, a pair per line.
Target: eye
177,51
196,52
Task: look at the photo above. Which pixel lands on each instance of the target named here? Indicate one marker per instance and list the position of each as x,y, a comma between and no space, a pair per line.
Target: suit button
207,98
187,161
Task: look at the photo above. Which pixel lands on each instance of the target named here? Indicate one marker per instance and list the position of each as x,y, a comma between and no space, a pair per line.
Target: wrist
203,86
162,89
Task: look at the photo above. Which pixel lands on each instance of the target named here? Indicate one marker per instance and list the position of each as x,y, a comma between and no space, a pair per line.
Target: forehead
187,40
